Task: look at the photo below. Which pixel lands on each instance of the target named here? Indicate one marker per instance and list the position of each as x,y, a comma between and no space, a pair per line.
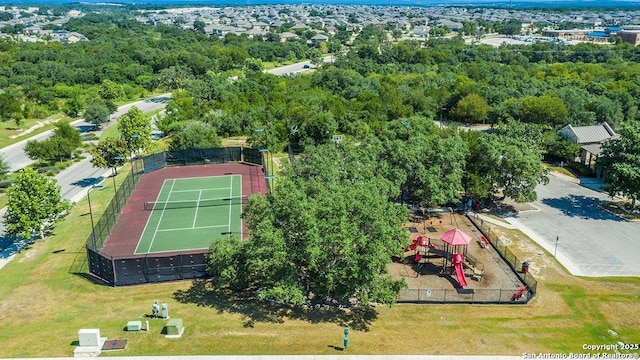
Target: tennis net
183,204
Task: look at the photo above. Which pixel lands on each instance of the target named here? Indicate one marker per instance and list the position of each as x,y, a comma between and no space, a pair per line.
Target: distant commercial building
630,34
567,34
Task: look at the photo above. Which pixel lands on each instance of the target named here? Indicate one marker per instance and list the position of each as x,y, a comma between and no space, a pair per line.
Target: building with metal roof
590,139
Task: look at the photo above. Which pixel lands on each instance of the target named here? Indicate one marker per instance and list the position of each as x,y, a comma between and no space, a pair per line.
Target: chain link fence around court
146,268
520,268
138,269
105,223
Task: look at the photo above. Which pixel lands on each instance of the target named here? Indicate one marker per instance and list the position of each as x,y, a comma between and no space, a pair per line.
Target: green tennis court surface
190,213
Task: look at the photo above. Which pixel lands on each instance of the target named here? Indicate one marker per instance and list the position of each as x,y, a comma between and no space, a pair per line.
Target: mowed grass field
42,307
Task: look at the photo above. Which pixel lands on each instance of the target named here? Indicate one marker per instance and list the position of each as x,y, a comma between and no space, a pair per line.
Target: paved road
16,158
297,67
591,241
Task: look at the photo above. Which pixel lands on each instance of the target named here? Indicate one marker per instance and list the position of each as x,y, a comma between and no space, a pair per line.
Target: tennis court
190,213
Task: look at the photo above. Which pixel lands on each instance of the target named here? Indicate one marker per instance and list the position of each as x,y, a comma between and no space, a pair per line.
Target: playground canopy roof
456,237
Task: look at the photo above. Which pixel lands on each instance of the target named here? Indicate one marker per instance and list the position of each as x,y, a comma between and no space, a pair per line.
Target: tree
620,163
135,129
110,90
66,139
328,230
96,113
34,204
10,107
253,64
429,168
506,165
544,110
39,150
199,26
60,145
470,109
175,77
73,107
109,153
195,135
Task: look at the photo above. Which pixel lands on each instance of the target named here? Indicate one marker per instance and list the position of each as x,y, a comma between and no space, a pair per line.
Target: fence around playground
502,249
136,269
480,296
461,296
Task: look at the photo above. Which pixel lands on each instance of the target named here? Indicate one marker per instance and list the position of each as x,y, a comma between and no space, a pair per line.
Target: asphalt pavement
590,240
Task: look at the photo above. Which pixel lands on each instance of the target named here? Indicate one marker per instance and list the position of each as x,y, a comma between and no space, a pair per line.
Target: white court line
241,208
195,216
194,228
202,177
230,203
149,219
212,189
160,220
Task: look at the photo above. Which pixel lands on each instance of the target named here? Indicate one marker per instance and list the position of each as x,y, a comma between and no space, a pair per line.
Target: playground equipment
519,294
457,264
456,242
419,248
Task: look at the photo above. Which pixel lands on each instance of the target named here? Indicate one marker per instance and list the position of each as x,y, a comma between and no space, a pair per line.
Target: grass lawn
43,306
559,169
11,134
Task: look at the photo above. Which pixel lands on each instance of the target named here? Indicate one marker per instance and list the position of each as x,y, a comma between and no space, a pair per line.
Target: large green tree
470,109
425,162
34,204
4,167
97,113
195,135
504,165
110,91
135,129
620,163
60,145
327,230
109,153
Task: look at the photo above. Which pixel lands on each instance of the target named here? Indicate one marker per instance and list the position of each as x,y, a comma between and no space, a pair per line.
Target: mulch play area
427,265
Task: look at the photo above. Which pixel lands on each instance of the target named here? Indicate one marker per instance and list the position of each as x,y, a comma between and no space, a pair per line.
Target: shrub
47,169
581,169
5,184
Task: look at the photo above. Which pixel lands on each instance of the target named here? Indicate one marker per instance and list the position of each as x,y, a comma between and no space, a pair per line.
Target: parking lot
590,241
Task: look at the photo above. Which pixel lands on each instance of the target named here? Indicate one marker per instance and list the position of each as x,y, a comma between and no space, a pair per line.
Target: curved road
15,156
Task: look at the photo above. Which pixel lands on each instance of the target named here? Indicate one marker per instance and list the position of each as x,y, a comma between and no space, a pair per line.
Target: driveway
591,241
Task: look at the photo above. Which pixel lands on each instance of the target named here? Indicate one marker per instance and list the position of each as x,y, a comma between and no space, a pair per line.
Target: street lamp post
134,138
93,235
115,189
266,136
268,162
442,110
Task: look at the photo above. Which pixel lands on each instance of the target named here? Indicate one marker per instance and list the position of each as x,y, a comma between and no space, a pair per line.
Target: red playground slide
457,263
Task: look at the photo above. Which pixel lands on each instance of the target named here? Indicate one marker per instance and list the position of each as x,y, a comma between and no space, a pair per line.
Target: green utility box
134,326
174,327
